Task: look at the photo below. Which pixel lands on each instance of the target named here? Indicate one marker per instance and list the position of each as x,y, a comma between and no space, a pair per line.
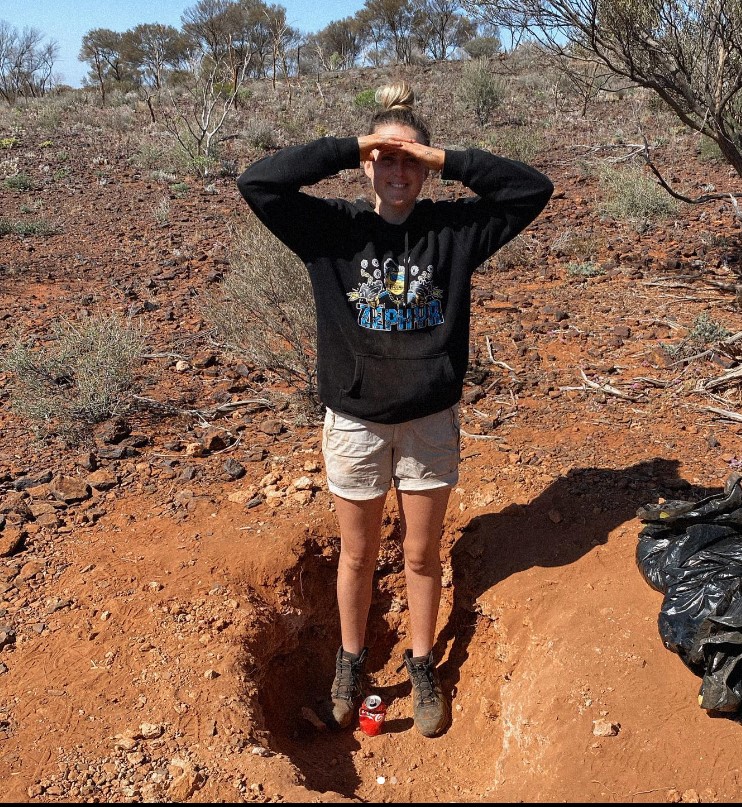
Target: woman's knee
426,562
358,561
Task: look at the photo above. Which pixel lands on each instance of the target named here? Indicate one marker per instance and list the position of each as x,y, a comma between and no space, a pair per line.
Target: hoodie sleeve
509,196
272,188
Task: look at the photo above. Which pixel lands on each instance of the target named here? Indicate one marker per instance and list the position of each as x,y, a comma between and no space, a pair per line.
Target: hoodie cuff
348,151
455,164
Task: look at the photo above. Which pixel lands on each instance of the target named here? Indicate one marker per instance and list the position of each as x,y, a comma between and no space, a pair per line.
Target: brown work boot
348,686
430,708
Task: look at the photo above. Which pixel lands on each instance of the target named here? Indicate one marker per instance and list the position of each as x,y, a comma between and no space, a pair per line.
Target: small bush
630,194
584,269
709,151
27,228
260,136
704,332
579,244
707,331
517,142
19,182
483,47
366,99
480,90
83,375
161,211
264,308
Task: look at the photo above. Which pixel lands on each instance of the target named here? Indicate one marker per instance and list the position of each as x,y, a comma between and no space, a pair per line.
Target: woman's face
396,178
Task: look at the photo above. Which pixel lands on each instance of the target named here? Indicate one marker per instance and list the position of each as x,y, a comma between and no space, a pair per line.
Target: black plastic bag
692,553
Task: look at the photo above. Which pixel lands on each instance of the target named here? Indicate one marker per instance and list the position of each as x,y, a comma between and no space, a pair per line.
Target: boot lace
348,674
423,682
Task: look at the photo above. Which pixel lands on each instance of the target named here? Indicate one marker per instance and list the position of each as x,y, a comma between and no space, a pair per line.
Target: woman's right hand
370,146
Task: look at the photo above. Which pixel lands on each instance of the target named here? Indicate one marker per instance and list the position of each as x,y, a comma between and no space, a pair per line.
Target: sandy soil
163,623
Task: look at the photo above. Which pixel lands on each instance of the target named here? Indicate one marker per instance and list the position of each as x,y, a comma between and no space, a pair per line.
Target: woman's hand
371,146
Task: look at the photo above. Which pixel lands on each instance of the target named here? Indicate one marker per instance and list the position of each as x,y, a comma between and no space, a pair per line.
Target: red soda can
371,715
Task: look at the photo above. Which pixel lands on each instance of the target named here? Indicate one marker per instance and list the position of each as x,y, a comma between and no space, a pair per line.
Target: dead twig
202,414
495,361
724,413
607,388
655,382
480,436
723,380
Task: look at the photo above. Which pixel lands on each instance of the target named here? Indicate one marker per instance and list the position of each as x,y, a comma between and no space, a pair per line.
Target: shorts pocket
350,438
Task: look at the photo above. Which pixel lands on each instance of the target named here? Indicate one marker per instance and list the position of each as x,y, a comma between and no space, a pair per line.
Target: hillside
167,585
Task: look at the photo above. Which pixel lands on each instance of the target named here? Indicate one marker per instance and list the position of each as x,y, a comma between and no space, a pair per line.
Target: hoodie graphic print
394,296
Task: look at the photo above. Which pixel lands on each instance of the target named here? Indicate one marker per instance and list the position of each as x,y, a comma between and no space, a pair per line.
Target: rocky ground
167,617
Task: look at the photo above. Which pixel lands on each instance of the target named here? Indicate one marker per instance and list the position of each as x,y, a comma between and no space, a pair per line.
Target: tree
395,20
152,48
689,52
338,45
211,25
26,64
440,29
103,50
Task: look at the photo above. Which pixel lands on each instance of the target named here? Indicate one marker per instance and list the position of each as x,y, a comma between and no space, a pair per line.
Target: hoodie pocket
393,390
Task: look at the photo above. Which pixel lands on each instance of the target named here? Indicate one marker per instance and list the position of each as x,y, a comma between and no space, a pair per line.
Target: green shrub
19,182
707,331
366,99
631,194
480,90
584,269
517,142
264,308
704,332
27,228
709,151
82,375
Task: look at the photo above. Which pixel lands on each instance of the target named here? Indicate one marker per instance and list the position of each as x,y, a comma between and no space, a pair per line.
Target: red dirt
167,635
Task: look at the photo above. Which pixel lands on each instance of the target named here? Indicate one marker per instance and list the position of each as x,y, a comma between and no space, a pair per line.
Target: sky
67,21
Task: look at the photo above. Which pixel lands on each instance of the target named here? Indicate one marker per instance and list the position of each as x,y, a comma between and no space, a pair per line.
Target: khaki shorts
364,459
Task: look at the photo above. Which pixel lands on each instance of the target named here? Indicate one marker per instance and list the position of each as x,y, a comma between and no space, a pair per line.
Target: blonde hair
399,94
397,103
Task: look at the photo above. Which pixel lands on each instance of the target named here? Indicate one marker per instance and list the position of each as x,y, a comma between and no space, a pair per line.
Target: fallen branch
607,388
202,414
495,361
480,436
725,413
723,380
654,382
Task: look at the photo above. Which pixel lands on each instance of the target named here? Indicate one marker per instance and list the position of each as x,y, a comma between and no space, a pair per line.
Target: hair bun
395,96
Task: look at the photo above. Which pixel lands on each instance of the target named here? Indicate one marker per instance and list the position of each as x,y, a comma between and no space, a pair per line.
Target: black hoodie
392,300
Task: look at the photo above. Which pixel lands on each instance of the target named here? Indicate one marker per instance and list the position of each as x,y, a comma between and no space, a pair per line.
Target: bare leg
360,537
421,515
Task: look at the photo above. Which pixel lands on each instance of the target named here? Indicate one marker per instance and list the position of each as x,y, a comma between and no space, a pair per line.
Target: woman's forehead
398,130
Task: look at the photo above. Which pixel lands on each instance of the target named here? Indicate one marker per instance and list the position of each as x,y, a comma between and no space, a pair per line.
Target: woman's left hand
432,158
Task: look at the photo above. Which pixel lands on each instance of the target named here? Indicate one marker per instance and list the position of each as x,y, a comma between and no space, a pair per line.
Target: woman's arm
272,186
509,195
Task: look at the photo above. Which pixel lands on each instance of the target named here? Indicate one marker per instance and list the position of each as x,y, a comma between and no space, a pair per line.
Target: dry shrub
83,374
631,194
265,310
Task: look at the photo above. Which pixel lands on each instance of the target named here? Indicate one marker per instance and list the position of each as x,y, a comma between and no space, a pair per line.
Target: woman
391,285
